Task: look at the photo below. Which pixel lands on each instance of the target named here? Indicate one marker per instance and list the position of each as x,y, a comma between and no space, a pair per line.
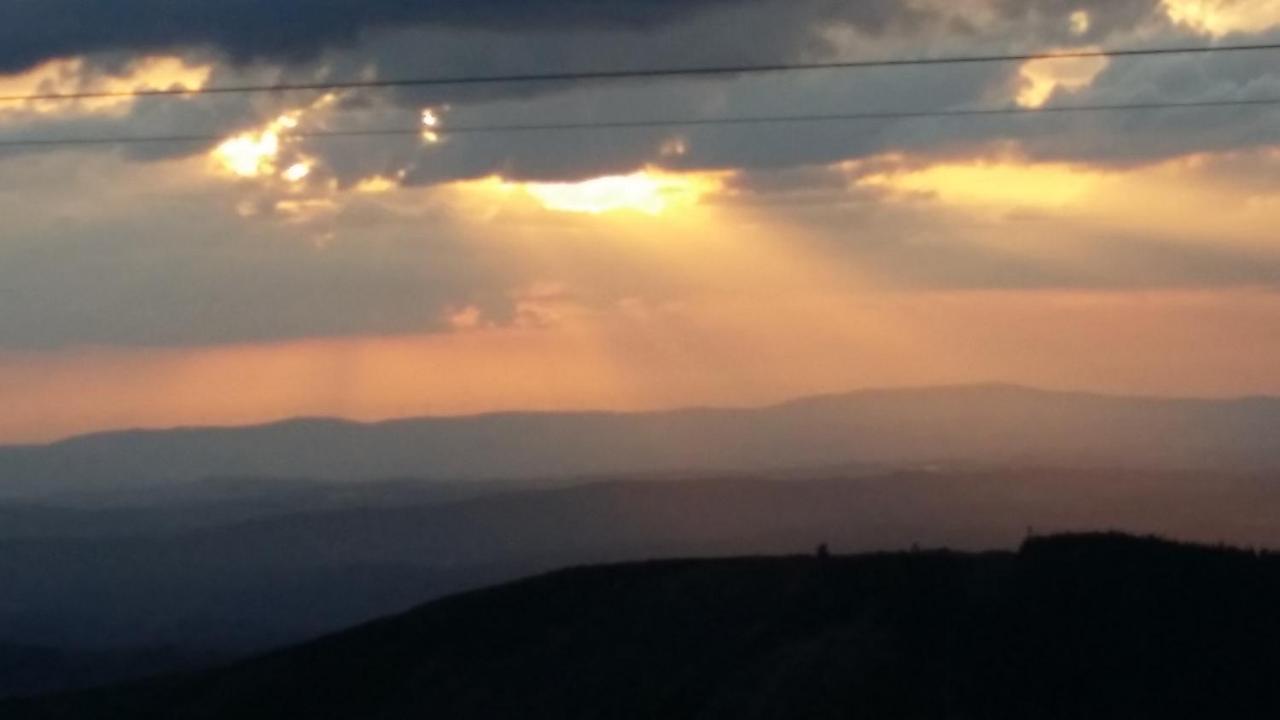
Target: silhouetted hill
250,586
26,670
1069,627
986,424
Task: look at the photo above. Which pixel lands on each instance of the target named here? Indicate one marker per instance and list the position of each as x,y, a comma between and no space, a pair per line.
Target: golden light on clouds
1041,78
306,208
655,287
467,318
376,184
75,75
296,172
254,154
1006,183
265,152
430,126
650,192
1080,22
1181,201
730,306
1221,17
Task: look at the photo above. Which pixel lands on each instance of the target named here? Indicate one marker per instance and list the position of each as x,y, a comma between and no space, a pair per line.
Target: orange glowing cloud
255,153
649,191
73,75
1222,17
1041,78
266,152
1000,183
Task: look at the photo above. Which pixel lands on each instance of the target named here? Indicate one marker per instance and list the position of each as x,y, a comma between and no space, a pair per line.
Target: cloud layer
147,246
287,30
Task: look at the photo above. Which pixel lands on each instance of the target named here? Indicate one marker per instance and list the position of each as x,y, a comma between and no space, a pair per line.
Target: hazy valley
123,554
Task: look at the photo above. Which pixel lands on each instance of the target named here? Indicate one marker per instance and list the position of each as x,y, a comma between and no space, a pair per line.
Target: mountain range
991,424
126,553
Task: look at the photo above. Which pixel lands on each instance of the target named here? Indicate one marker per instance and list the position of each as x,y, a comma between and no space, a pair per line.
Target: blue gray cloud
32,31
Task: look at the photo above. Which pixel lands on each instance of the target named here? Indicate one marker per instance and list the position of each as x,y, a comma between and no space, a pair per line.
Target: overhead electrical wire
445,130
639,73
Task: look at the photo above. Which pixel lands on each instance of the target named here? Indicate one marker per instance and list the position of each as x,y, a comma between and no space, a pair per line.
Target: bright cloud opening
297,172
256,153
1042,78
1004,184
76,75
1080,22
648,191
1222,17
250,154
430,126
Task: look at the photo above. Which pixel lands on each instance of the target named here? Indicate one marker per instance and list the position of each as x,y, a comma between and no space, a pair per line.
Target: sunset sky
263,275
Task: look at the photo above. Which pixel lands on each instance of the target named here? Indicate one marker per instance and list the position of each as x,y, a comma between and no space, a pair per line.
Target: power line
659,123
606,75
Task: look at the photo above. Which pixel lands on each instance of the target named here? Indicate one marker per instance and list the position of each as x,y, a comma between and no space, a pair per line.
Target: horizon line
659,410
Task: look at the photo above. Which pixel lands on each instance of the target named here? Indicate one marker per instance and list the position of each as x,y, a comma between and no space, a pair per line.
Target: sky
262,274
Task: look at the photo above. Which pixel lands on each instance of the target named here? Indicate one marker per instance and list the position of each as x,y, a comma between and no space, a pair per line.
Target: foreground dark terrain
94,596
1068,627
127,555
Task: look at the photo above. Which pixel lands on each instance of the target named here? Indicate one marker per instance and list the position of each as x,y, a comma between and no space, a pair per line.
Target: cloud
387,40
152,245
1051,19
287,30
159,257
163,255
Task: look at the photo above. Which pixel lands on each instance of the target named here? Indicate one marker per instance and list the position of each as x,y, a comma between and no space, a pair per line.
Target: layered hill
251,585
1068,627
982,424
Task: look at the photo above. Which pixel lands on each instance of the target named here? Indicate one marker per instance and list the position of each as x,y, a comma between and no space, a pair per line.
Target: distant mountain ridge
995,424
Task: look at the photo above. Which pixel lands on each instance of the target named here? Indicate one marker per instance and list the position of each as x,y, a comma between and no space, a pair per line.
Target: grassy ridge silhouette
1087,626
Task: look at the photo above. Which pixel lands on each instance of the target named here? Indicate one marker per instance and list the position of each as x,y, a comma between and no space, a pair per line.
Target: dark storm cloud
32,31
452,38
309,41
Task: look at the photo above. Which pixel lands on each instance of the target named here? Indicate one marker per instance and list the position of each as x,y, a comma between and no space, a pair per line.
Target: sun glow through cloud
72,75
1042,78
648,191
254,153
377,184
264,153
994,183
1221,17
876,247
1080,22
430,126
297,172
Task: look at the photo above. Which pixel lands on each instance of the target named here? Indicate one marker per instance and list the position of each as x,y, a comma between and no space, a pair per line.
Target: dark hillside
1072,627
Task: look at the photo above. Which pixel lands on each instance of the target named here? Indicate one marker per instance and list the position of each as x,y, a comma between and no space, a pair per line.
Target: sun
255,153
650,192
